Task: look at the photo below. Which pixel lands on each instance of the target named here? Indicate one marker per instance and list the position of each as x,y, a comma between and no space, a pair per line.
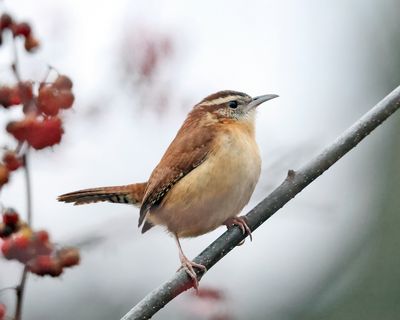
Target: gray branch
294,183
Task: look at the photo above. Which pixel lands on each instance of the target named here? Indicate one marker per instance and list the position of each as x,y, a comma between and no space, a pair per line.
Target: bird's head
232,105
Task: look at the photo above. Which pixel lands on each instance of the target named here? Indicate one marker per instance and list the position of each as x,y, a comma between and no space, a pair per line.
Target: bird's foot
241,222
189,266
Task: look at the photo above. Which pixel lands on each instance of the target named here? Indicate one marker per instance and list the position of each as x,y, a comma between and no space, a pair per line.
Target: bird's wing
187,151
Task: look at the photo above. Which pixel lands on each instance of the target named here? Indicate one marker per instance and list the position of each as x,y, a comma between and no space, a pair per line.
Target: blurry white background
329,61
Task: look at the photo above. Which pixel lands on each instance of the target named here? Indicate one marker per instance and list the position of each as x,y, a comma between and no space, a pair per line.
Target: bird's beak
260,99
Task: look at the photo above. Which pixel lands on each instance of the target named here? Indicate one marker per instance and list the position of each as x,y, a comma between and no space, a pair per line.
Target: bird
205,177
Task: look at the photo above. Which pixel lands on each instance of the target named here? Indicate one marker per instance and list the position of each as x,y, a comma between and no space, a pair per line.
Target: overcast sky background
316,55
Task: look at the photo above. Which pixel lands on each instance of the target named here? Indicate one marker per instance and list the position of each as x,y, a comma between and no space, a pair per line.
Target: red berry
4,175
22,248
42,245
69,257
24,91
31,43
10,217
5,21
11,96
48,100
42,236
21,129
21,241
39,134
11,161
45,133
45,265
210,294
63,82
66,99
44,248
51,99
5,93
2,311
19,246
23,29
7,249
14,98
45,262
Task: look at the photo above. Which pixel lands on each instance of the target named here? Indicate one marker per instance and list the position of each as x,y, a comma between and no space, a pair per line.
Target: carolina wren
205,177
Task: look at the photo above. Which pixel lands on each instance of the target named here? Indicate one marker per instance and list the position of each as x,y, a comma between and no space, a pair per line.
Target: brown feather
222,94
129,194
186,152
147,226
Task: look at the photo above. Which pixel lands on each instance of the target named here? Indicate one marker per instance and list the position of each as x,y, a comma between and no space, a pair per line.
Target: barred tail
129,194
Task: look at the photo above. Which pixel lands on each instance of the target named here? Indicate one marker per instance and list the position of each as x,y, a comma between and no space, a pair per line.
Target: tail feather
129,194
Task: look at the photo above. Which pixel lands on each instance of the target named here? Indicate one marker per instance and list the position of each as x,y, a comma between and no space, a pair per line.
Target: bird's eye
233,104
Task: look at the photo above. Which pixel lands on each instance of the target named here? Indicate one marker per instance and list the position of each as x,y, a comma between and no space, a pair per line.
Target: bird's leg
241,222
188,265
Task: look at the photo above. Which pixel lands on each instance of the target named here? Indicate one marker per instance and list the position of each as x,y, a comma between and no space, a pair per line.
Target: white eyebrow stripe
220,100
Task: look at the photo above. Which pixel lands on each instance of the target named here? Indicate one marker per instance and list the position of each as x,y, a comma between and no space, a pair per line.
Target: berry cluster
21,29
41,127
55,96
13,96
42,103
38,133
33,248
50,99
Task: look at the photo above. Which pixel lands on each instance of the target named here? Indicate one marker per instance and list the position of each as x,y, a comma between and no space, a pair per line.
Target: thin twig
20,290
294,183
28,103
15,64
7,288
28,188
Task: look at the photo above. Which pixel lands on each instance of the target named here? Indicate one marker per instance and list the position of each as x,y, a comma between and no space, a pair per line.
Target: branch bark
294,183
